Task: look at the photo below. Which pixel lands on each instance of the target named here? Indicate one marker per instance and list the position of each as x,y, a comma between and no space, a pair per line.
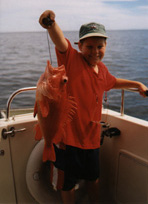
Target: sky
23,15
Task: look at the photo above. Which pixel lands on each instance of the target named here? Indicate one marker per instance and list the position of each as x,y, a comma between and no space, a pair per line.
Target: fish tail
49,153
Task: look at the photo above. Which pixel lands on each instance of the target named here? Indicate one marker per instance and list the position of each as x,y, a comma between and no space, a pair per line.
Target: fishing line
48,22
107,105
50,57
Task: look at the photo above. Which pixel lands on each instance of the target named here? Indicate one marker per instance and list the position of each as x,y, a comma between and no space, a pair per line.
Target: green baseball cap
92,30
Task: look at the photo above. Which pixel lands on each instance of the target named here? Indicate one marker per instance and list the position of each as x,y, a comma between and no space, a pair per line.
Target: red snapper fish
54,109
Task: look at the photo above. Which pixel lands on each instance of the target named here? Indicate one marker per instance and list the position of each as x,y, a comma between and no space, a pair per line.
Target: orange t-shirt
87,87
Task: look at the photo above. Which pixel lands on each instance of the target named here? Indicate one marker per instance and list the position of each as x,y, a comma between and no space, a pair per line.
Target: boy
88,78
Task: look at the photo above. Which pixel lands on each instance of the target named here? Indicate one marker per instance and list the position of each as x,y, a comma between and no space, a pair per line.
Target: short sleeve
110,80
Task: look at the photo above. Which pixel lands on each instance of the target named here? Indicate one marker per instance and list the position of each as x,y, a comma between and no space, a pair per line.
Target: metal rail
122,97
12,97
34,88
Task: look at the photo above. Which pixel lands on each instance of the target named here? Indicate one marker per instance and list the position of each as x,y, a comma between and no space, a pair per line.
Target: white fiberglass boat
123,160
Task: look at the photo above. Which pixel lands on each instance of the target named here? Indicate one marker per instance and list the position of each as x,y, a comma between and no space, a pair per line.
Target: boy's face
93,50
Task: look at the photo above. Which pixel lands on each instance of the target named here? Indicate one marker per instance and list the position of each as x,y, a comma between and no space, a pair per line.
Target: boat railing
34,88
18,91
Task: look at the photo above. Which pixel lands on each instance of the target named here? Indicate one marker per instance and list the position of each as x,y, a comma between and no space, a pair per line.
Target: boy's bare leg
93,191
68,197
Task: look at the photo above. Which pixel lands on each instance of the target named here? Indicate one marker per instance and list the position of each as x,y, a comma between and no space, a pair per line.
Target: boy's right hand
46,14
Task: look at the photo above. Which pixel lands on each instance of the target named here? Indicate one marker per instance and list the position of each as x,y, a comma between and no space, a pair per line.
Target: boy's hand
47,14
143,90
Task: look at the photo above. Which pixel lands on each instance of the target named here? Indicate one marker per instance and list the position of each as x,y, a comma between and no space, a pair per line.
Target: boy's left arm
124,83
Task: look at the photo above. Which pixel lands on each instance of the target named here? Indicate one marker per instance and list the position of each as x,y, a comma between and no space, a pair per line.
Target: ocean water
23,59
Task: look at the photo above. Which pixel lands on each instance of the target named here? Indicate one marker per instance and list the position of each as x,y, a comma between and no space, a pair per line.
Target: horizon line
132,29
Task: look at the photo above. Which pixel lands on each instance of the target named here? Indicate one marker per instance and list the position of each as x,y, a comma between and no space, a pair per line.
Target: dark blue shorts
77,164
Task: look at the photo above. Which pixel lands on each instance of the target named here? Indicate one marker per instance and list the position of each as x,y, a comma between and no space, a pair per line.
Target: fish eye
65,80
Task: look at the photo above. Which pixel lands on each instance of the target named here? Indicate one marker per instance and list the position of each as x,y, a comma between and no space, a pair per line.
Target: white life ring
37,179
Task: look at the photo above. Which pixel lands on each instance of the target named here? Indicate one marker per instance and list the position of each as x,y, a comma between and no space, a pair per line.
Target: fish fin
38,134
44,107
49,68
35,109
71,109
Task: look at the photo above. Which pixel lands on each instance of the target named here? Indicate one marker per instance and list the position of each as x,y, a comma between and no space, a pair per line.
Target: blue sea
23,59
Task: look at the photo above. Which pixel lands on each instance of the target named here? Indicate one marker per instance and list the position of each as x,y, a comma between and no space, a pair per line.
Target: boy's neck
96,68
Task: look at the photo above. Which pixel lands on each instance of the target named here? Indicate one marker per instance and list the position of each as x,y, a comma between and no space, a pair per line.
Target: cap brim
92,35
